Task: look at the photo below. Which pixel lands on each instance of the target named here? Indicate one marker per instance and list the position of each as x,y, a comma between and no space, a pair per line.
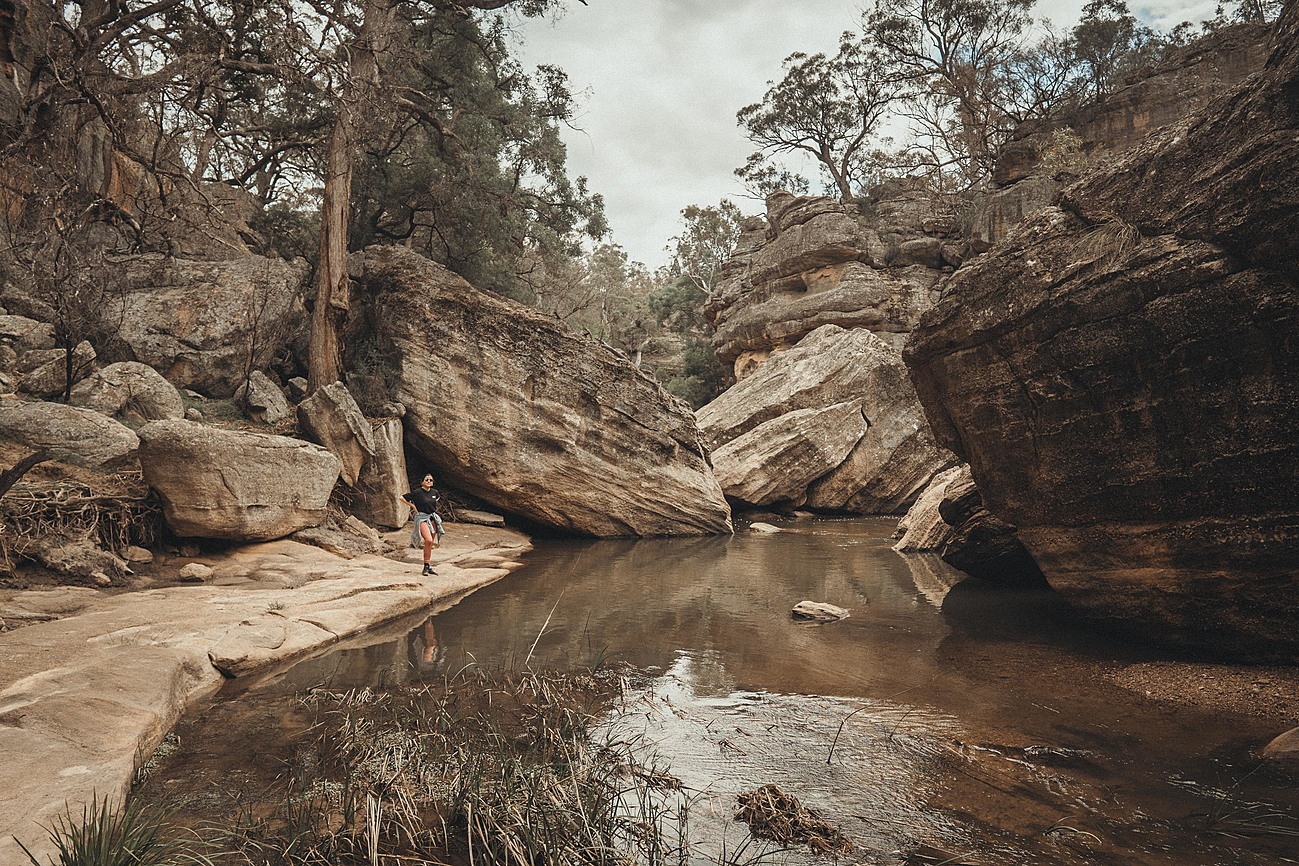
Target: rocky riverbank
92,681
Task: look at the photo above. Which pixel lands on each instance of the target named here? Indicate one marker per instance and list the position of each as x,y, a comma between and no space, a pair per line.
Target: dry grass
494,770
773,814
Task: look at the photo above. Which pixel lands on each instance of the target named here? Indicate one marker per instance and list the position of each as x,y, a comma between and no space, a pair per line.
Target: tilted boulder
949,519
262,399
330,417
514,408
1121,376
383,479
777,460
891,455
234,485
72,435
131,391
201,323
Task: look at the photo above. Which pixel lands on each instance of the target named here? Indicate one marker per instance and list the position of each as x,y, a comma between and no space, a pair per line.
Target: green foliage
1109,42
702,376
1064,157
973,76
707,241
479,185
826,108
104,837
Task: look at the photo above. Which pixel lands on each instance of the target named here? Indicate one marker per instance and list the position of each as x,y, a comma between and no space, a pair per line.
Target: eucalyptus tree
825,107
1109,41
959,56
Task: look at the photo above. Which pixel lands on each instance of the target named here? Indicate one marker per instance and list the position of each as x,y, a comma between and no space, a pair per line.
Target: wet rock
980,544
72,435
235,485
262,399
764,528
1284,749
194,572
45,371
1069,365
129,391
330,417
875,462
383,479
818,611
529,417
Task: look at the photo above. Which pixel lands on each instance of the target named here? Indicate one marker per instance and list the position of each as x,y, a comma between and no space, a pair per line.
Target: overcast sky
658,83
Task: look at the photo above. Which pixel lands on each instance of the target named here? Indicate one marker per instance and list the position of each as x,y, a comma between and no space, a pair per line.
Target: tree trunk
325,360
325,357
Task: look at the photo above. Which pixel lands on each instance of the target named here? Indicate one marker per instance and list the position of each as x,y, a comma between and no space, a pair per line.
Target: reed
490,770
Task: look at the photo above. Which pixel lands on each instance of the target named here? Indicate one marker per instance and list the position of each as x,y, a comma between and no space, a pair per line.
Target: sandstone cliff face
811,310
817,261
512,407
1121,376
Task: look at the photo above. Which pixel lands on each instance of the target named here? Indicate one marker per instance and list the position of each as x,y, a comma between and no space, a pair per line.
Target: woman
428,523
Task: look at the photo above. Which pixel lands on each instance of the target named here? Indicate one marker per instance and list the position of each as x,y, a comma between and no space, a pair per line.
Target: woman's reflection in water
427,656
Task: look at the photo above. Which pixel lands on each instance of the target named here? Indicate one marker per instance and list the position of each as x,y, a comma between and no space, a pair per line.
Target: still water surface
939,720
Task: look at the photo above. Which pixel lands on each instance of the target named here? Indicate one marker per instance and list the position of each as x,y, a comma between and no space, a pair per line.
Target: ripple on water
867,766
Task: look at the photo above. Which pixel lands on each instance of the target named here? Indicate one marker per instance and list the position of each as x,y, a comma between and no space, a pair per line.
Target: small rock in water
818,611
1284,749
195,572
764,527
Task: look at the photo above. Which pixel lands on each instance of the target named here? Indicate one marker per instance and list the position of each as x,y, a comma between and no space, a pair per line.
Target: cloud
659,82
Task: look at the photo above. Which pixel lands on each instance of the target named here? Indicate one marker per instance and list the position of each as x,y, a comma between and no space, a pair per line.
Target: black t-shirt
424,500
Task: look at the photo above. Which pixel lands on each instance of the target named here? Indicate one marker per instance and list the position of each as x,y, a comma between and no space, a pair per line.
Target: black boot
428,569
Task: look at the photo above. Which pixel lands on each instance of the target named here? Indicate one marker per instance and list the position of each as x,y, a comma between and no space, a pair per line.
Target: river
940,721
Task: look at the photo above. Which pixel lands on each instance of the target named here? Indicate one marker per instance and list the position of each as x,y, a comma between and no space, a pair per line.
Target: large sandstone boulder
70,434
519,411
204,324
46,373
233,485
131,391
330,417
1122,376
383,479
817,261
949,519
24,334
840,408
779,459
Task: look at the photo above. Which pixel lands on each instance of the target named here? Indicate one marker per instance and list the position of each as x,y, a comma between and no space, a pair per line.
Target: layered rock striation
832,423
512,407
1121,375
817,261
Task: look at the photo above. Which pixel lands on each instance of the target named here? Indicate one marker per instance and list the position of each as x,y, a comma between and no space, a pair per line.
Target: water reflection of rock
933,577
